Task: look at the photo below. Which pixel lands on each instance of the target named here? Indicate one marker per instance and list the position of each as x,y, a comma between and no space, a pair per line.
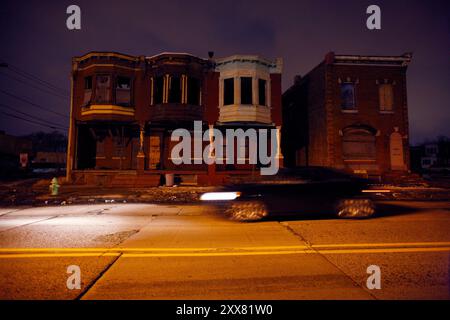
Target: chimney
329,57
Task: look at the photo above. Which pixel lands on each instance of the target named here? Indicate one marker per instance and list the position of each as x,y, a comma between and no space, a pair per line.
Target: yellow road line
214,254
218,249
387,245
390,250
57,255
228,253
121,249
218,254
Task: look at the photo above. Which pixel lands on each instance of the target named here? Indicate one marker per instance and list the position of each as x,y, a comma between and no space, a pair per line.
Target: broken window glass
87,91
123,91
103,89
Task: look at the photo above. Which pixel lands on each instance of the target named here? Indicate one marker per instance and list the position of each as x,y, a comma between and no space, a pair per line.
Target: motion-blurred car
308,191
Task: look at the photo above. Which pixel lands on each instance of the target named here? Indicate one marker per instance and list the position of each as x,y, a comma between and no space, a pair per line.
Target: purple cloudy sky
35,39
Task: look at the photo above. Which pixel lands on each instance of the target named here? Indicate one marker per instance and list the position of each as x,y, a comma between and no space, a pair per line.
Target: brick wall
367,103
314,121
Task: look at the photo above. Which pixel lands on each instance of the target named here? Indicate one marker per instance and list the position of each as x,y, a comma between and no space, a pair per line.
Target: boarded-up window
118,146
123,91
228,91
103,89
158,87
386,94
358,144
246,90
87,91
155,152
348,96
100,148
193,94
175,90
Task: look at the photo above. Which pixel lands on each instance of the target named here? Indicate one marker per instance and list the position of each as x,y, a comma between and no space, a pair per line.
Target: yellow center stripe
352,248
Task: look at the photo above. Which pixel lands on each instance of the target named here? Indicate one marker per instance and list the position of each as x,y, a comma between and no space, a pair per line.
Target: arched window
358,144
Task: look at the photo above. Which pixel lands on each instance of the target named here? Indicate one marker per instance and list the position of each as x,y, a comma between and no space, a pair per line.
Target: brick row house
350,113
125,108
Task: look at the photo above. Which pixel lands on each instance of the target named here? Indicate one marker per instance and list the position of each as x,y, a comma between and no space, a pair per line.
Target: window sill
244,105
386,112
349,111
107,109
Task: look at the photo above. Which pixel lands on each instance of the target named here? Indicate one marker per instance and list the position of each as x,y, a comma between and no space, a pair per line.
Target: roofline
237,57
345,59
105,54
174,53
402,61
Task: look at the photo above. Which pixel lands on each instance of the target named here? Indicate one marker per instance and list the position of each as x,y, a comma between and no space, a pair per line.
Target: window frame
231,93
382,89
88,91
264,93
170,94
124,89
109,90
156,92
196,94
344,108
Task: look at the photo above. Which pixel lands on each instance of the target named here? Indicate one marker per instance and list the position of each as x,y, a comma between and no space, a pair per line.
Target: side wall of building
304,114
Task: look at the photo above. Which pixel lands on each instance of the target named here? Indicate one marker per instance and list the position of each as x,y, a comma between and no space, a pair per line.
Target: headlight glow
215,196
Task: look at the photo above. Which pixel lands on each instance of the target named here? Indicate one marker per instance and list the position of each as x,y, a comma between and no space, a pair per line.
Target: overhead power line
32,116
35,78
31,121
33,104
58,95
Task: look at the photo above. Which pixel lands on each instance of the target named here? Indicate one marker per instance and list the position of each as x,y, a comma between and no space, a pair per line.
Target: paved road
142,251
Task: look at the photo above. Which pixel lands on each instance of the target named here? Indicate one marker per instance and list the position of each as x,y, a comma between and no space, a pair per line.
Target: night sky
34,39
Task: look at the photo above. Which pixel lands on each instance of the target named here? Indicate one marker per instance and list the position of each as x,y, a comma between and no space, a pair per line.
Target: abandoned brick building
350,112
124,109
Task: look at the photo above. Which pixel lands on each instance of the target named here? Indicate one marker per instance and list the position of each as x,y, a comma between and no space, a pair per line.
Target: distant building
351,113
15,153
14,146
125,108
49,159
431,155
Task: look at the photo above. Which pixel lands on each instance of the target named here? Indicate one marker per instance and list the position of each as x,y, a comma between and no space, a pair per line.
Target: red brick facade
125,108
350,112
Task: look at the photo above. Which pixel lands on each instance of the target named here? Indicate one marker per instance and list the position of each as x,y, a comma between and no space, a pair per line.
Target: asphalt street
144,251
